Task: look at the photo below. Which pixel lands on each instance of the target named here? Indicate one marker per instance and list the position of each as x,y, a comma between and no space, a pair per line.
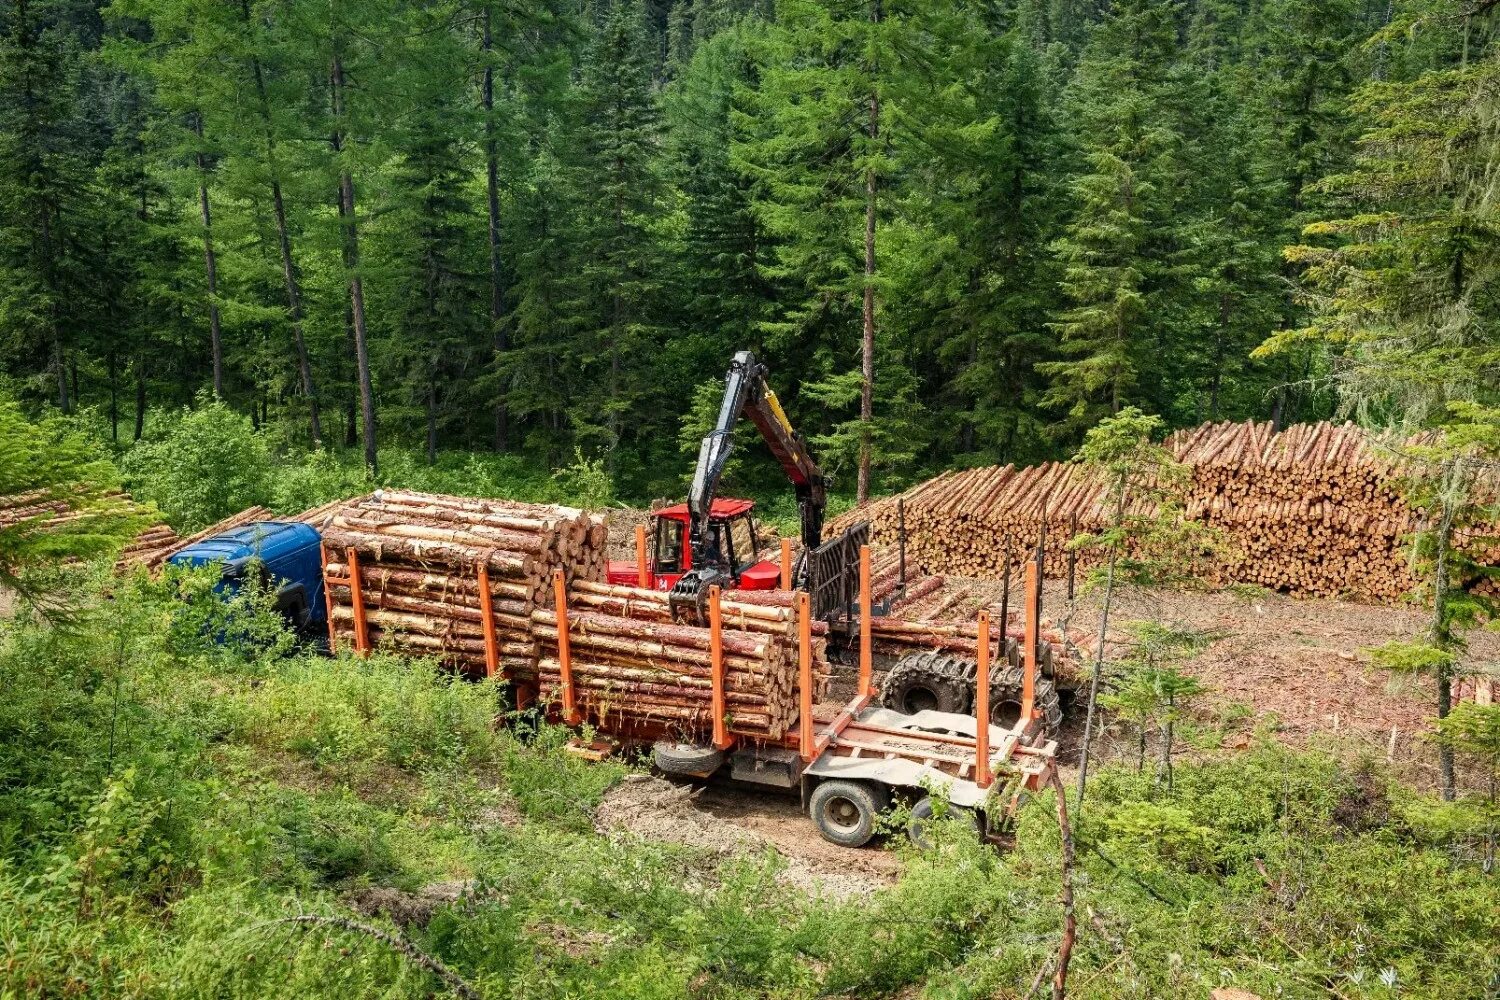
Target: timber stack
1314,510
432,568
156,545
632,663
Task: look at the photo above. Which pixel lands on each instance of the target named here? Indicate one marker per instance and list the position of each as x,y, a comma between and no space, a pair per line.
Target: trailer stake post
1072,554
487,616
642,572
804,678
1005,605
333,638
786,564
571,715
722,739
901,539
357,599
1033,623
982,705
866,654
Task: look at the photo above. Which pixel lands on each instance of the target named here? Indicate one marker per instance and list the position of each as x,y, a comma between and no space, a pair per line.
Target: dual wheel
847,812
944,683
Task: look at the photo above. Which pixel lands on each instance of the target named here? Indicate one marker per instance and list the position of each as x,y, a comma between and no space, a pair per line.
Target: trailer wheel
1006,683
921,819
686,758
929,681
846,811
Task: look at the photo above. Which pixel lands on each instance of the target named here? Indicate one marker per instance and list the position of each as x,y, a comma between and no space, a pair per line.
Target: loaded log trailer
612,657
716,677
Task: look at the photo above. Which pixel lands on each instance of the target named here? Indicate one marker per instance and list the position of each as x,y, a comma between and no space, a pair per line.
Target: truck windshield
668,545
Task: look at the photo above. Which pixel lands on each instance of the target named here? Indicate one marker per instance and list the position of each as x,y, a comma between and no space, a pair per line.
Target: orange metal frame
356,600
982,705
642,566
722,739
786,564
571,715
487,615
1033,616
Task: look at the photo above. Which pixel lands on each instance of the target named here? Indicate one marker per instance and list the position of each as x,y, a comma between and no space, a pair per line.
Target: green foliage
207,464
51,466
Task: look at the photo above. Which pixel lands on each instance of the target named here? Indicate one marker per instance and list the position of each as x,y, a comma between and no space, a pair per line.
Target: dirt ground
728,821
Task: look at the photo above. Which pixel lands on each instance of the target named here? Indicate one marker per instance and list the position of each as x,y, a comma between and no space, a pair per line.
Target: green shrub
208,463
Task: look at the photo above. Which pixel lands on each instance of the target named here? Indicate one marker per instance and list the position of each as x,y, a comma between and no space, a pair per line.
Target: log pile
156,545
632,664
430,564
1314,510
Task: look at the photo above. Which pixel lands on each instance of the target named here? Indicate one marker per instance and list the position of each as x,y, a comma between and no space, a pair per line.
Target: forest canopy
958,232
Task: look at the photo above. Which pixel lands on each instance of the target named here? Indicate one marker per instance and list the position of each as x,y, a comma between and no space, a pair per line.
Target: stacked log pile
156,545
632,664
1314,510
421,559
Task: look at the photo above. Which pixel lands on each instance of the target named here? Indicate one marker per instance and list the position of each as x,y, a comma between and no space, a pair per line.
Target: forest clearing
750,499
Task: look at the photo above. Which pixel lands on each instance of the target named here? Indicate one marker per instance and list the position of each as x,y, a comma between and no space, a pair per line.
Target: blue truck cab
286,553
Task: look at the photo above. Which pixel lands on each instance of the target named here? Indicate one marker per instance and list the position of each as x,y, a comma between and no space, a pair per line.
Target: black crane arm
746,391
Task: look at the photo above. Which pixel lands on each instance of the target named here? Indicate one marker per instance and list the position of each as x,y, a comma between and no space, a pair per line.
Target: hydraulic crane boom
746,391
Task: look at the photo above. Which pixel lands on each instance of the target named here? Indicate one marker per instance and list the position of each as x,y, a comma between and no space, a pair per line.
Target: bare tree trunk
1109,590
140,398
114,396
1167,734
1441,630
210,263
1070,920
431,423
867,352
284,242
492,183
356,283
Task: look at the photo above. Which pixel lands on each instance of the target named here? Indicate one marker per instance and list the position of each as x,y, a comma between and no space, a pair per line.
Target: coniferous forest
958,232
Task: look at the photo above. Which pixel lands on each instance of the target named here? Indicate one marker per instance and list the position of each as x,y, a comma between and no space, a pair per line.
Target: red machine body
731,533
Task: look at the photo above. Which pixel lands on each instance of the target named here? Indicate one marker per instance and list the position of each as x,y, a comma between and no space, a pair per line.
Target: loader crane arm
746,391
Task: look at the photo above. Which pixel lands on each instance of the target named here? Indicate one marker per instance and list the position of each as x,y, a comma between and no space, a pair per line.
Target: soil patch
726,822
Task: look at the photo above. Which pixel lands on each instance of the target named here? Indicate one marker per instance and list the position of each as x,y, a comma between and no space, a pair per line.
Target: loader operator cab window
668,545
742,540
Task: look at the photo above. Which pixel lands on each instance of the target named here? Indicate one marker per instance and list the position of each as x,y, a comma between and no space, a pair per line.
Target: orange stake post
333,639
786,564
487,615
571,715
804,677
982,706
357,599
722,739
642,569
1033,613
866,655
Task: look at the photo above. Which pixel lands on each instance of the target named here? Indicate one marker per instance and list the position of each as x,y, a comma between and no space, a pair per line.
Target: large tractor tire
929,681
1006,684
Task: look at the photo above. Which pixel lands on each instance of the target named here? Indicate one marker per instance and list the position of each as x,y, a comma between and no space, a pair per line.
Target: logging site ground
211,787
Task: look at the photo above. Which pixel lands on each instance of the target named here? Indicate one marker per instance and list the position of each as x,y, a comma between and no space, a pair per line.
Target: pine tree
615,181
1114,251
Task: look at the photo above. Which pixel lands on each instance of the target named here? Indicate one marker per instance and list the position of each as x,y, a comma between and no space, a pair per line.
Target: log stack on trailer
1314,510
452,577
633,666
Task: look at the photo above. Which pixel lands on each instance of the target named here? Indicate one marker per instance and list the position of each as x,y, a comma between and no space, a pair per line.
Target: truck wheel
921,818
846,811
686,758
929,681
1006,683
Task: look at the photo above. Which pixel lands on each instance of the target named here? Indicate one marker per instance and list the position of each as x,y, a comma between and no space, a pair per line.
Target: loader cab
732,540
